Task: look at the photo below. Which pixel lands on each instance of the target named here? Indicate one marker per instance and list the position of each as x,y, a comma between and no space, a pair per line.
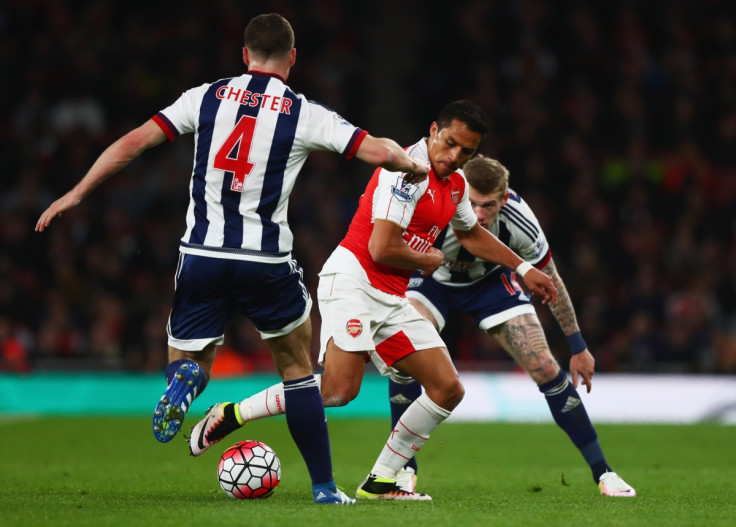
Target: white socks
266,403
411,432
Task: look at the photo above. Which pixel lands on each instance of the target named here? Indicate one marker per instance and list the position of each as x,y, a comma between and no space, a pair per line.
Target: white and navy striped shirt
252,135
516,226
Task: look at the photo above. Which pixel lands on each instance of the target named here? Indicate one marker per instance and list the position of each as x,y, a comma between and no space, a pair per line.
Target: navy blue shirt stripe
504,236
524,226
440,238
207,113
230,199
273,181
521,220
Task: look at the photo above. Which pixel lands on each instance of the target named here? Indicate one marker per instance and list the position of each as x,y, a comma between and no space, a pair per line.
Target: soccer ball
249,470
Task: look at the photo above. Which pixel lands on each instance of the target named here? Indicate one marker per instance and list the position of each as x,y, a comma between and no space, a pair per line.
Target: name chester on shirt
269,102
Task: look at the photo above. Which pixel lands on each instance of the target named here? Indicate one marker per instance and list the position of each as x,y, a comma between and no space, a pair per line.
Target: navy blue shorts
209,290
490,301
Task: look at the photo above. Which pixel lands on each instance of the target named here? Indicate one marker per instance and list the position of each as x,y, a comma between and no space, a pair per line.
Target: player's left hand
434,259
540,284
583,364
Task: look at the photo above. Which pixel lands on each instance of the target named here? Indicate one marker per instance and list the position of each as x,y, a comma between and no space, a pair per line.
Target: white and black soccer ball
249,470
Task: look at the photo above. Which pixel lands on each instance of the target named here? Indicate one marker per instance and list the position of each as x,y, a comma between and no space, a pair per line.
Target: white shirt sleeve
395,200
184,112
325,129
527,237
464,217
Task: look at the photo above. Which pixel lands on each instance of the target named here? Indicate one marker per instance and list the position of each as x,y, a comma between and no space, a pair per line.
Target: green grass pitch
112,472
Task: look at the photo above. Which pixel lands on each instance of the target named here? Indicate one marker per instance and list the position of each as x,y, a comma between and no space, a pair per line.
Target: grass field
110,472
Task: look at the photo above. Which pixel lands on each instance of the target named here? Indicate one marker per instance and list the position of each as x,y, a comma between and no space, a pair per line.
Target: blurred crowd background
617,121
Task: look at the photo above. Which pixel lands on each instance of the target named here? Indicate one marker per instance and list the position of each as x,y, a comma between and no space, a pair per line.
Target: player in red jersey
362,288
362,301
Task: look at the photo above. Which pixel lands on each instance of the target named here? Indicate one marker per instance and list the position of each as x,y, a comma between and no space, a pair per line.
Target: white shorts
361,318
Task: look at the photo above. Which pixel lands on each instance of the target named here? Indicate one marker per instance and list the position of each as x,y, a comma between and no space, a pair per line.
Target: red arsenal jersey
422,210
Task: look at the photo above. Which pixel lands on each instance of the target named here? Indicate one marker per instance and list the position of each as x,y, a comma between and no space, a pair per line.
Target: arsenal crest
354,327
455,195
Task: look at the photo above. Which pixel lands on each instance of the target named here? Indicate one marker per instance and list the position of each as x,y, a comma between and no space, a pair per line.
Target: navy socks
569,413
305,417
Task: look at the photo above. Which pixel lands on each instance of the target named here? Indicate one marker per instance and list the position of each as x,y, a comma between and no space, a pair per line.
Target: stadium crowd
617,121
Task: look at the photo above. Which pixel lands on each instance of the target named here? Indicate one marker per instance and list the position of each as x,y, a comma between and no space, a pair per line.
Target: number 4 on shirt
234,153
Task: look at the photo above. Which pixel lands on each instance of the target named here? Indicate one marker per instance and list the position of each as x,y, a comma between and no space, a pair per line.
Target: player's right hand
540,284
57,208
434,258
418,172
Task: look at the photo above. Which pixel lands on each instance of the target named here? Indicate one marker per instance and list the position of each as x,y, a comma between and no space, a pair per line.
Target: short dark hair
269,35
466,112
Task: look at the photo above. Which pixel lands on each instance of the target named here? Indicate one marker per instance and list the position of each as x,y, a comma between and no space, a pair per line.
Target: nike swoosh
200,439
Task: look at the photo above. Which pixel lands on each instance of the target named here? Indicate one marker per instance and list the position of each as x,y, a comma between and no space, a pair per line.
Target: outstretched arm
581,362
116,157
386,153
485,245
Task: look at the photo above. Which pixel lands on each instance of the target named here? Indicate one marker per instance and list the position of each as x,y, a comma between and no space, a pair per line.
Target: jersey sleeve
326,130
464,217
527,237
394,199
181,117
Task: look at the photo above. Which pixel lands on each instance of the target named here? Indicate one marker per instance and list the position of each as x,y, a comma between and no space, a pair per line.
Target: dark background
617,121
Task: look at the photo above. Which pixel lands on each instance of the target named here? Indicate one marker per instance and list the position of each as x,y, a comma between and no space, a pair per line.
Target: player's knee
448,395
456,393
547,373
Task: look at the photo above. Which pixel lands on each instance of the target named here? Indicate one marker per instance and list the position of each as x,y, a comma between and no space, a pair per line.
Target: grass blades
111,471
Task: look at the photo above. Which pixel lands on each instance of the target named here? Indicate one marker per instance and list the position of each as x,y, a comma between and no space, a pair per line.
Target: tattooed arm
581,363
